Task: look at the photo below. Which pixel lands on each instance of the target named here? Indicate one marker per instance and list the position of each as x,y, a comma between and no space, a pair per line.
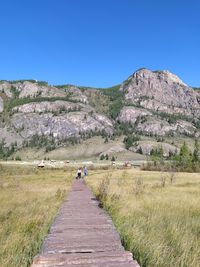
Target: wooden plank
83,258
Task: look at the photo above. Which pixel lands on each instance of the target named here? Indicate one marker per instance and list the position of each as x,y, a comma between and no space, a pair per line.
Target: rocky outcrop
60,119
10,136
76,94
62,126
161,91
146,147
29,89
47,106
5,87
149,124
153,126
1,105
186,128
131,114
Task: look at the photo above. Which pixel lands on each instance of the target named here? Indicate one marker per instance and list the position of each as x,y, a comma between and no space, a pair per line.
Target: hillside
156,105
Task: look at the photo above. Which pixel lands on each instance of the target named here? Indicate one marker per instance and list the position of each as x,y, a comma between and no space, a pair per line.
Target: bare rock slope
161,91
159,103
35,110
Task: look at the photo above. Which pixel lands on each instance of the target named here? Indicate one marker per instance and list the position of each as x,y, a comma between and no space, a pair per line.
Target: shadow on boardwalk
83,235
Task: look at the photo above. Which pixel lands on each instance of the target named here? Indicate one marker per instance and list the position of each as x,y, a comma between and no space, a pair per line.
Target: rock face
148,123
158,127
161,91
62,126
5,87
47,106
10,136
60,113
161,104
131,114
28,89
76,94
1,105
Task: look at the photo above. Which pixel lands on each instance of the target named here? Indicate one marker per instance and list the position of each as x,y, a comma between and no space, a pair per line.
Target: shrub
6,152
130,140
106,140
102,157
103,189
113,158
18,158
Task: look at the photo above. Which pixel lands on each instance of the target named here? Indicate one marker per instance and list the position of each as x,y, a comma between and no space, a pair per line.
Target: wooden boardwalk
83,235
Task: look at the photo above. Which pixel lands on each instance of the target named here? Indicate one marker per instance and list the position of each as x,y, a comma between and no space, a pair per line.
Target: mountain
165,103
152,104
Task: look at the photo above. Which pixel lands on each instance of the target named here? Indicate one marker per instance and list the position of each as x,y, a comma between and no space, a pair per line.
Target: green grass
158,219
29,199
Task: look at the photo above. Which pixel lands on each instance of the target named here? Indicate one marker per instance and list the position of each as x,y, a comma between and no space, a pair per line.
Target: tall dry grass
29,200
157,215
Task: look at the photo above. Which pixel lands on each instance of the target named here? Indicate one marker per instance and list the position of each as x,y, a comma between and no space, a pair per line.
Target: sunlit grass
29,200
158,217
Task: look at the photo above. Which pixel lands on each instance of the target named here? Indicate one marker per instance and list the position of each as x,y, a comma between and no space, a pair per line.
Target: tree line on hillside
50,142
185,160
6,152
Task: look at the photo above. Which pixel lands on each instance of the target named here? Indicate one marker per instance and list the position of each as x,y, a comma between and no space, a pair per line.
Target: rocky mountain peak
171,76
160,91
165,75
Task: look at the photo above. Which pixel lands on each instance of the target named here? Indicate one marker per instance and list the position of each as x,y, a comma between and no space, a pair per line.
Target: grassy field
156,214
29,200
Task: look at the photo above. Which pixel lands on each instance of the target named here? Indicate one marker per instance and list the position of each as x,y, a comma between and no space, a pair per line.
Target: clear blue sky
98,42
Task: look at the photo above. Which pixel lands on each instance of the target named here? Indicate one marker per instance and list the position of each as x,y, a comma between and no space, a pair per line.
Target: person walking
85,171
79,172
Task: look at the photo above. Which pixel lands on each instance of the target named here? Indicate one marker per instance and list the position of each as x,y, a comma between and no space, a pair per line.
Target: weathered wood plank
84,258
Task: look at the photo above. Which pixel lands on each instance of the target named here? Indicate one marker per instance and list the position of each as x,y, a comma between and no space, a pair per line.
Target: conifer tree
196,152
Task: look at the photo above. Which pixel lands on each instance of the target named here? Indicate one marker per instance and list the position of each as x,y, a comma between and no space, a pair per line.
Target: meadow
29,201
156,213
